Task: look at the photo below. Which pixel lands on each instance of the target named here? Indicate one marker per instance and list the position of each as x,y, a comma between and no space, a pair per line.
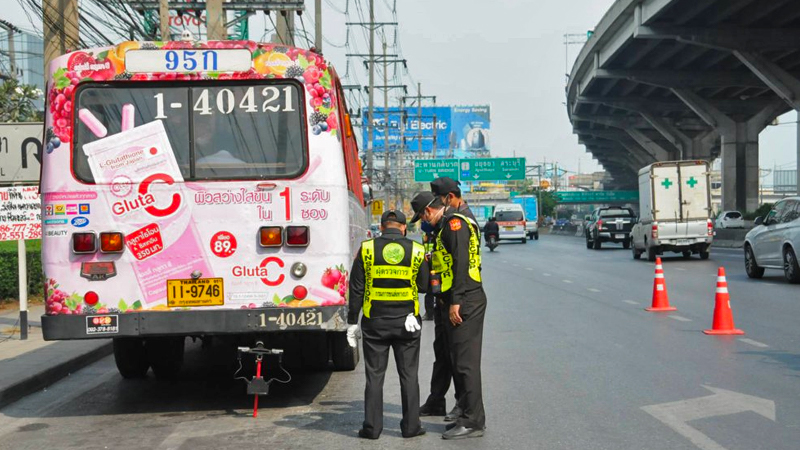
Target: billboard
454,131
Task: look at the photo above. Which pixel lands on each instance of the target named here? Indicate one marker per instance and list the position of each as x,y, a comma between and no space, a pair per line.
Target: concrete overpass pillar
740,175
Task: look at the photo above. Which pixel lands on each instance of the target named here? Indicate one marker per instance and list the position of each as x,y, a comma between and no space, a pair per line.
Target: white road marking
516,265
529,268
679,318
546,274
676,415
567,281
593,290
753,343
630,302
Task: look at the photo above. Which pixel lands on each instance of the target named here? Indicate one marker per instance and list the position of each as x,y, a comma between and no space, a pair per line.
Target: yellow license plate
199,292
509,228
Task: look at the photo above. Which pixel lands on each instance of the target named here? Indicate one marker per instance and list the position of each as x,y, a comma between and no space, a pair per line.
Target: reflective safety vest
390,275
428,242
442,261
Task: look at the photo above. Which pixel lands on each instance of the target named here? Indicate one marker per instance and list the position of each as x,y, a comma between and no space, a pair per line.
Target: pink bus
199,189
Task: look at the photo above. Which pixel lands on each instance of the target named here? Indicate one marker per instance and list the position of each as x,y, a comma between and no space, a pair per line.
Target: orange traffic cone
723,316
660,298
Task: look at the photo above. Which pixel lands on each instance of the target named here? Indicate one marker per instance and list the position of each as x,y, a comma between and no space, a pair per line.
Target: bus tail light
84,243
654,232
270,236
297,236
111,242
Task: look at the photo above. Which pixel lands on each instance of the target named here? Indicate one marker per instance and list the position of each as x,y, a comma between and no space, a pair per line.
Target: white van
510,218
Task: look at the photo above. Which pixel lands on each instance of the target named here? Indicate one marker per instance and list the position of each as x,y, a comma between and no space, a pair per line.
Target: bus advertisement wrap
200,189
460,131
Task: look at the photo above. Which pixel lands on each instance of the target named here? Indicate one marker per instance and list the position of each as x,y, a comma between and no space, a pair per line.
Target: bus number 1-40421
307,318
225,101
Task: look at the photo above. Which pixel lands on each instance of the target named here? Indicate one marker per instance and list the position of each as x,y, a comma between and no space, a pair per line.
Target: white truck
675,210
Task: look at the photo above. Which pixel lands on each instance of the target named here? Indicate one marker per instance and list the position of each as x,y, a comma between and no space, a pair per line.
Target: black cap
419,202
445,185
393,215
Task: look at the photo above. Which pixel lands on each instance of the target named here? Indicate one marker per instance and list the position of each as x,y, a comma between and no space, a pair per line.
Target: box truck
675,210
528,203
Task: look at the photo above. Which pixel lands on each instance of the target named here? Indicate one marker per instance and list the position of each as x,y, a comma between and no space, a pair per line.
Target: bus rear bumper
194,323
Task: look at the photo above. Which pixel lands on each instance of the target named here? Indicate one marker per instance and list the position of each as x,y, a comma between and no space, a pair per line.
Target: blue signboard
454,131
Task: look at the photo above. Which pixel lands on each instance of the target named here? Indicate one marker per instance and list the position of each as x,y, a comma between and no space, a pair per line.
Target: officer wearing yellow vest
387,276
456,259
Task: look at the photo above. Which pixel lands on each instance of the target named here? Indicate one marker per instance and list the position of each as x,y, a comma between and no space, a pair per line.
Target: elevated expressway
686,79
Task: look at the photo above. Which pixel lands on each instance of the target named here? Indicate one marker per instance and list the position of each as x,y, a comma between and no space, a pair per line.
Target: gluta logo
125,206
261,271
147,200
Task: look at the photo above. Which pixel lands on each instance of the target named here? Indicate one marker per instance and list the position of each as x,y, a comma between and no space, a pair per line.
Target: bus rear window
239,130
508,216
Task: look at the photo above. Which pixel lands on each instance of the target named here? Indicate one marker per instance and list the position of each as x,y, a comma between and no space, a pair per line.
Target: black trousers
466,341
442,365
378,336
429,304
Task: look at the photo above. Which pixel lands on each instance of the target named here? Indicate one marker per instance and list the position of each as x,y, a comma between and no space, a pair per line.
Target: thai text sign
20,213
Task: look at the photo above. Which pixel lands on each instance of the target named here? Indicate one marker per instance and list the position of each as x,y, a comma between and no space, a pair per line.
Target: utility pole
318,25
60,23
371,93
11,29
285,27
386,148
163,19
215,20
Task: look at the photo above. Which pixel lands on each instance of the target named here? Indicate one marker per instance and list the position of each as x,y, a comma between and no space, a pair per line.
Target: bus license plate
199,292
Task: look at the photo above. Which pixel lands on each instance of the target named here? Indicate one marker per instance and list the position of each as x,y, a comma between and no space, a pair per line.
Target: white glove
411,324
353,333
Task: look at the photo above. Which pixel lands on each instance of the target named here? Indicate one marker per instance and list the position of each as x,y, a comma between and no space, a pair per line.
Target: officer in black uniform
428,237
436,405
456,257
386,278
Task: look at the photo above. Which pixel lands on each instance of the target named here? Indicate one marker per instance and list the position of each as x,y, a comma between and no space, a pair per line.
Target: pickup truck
611,224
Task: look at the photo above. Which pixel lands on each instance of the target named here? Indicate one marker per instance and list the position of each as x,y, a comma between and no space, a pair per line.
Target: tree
16,102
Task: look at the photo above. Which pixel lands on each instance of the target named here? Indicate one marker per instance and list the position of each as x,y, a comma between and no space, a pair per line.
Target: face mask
426,227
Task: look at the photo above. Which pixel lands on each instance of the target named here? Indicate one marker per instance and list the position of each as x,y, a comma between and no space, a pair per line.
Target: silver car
775,241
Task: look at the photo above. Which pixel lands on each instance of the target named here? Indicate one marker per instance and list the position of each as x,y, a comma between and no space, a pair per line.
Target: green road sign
598,196
430,169
492,169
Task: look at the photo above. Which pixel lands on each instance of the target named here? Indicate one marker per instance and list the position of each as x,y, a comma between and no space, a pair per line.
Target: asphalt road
571,361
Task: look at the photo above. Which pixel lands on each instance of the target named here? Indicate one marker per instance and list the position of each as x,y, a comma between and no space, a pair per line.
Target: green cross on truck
666,183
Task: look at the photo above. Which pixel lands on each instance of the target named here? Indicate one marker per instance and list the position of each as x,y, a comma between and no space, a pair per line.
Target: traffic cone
660,298
723,316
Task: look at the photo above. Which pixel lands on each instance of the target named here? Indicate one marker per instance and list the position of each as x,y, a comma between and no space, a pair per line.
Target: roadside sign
426,170
20,152
597,196
20,213
377,207
472,169
492,169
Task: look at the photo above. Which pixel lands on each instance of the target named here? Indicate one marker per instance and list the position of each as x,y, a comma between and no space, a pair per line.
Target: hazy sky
508,54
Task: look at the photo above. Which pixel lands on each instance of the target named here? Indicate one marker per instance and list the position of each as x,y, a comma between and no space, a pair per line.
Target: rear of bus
199,189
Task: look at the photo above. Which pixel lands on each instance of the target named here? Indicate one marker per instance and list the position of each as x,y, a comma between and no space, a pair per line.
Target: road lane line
529,268
753,343
567,281
630,302
546,274
679,318
593,290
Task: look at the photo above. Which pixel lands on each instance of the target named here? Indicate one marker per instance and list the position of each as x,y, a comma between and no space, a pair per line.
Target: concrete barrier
729,238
